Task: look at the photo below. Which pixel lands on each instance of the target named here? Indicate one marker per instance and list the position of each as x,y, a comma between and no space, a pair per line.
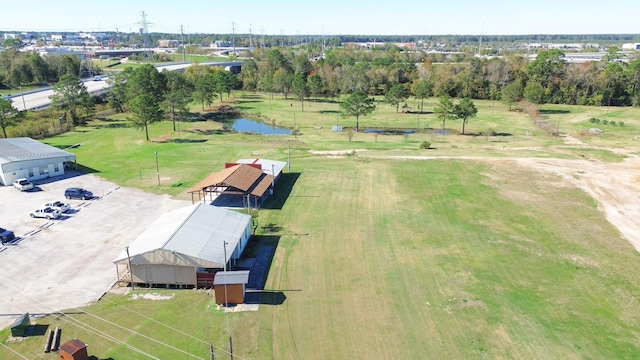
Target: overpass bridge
40,99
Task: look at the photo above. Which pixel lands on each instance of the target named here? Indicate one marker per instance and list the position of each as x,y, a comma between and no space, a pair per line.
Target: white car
23,184
45,212
58,205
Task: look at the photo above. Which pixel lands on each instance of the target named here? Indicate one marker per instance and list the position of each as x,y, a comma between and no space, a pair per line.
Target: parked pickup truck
23,184
6,235
58,205
45,212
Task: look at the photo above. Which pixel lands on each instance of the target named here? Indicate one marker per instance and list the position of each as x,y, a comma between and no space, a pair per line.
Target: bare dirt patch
152,296
614,186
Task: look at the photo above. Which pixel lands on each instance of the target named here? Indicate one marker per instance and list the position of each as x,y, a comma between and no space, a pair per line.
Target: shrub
425,145
621,123
612,123
605,122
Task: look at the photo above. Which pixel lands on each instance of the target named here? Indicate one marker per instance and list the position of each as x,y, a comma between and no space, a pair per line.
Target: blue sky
390,17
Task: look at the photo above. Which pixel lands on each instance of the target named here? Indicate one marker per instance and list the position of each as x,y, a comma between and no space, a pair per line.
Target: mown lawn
381,258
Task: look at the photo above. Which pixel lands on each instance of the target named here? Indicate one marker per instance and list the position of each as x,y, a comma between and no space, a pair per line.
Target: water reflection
258,127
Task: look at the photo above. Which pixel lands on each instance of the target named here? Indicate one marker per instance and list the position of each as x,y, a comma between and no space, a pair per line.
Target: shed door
148,274
179,275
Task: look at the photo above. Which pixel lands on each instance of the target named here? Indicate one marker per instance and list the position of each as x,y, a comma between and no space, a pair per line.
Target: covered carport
239,185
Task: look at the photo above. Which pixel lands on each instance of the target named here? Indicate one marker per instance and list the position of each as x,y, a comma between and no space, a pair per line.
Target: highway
40,99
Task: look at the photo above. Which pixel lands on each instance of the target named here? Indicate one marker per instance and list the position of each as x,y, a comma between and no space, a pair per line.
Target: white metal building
269,167
30,159
182,243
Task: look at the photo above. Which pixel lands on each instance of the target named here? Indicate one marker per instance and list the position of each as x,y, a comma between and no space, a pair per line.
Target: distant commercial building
165,43
631,46
221,44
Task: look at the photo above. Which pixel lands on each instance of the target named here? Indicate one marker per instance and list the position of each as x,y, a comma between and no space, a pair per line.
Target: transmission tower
144,31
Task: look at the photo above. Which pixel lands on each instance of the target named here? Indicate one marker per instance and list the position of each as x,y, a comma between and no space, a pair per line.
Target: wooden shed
73,350
230,286
20,327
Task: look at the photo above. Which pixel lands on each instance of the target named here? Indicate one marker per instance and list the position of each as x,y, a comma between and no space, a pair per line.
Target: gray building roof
198,231
21,149
231,277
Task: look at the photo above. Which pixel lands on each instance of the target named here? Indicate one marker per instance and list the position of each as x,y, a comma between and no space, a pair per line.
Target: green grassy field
385,258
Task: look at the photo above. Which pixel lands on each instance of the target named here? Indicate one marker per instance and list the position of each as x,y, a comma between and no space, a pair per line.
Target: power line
110,337
15,352
89,328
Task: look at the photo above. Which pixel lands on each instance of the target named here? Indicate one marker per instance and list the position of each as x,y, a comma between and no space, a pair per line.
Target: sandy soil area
614,186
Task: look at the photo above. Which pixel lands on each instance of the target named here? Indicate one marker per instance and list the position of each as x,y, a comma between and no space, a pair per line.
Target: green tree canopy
445,110
300,88
314,83
465,110
357,104
396,95
512,93
179,91
70,94
422,89
8,115
146,89
534,92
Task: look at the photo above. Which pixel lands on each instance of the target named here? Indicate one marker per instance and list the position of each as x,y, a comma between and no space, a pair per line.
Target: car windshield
57,203
24,182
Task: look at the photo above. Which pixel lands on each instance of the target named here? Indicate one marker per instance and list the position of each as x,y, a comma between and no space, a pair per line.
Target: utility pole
184,51
322,38
289,162
233,37
130,269
480,45
157,167
250,43
262,33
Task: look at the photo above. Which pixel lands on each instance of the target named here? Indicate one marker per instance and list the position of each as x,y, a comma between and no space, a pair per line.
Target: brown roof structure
241,177
73,350
236,179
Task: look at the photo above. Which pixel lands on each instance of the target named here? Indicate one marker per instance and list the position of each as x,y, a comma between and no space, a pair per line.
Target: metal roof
21,149
231,277
72,346
240,176
197,231
271,167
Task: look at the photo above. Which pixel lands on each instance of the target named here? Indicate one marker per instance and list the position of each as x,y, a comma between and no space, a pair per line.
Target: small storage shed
73,350
20,327
230,286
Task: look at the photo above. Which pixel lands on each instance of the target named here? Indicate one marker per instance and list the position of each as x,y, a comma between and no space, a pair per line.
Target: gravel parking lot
60,264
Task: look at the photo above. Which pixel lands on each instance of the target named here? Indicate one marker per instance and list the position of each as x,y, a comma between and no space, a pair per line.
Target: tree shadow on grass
181,141
554,111
329,112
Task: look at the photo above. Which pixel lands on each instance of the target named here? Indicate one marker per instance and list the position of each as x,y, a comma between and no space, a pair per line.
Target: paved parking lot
65,263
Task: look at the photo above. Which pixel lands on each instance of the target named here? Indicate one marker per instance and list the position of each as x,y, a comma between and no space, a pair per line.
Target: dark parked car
78,193
6,235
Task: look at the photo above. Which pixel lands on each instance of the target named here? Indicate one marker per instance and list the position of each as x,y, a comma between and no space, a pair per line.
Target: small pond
389,131
258,127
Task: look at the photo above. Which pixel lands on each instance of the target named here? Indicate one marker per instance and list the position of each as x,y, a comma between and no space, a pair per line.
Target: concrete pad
67,263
